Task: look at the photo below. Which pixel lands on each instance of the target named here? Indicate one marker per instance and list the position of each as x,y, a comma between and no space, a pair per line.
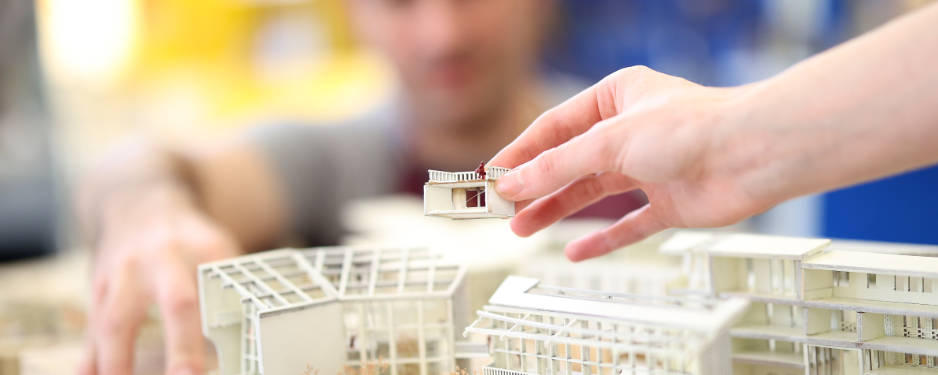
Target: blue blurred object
685,38
697,40
903,208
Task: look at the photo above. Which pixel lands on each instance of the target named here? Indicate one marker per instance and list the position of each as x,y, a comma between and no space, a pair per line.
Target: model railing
491,370
491,173
443,176
495,172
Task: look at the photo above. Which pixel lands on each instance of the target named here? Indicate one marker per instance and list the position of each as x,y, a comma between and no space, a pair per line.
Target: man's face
457,58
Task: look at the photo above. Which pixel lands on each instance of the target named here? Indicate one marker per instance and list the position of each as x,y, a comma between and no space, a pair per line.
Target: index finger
118,325
552,128
179,305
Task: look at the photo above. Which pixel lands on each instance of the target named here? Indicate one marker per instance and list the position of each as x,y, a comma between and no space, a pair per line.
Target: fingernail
509,185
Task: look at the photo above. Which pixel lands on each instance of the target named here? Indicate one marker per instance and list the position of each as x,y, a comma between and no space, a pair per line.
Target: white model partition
333,310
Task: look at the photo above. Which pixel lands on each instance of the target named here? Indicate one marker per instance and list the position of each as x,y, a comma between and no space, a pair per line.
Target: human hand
148,252
684,145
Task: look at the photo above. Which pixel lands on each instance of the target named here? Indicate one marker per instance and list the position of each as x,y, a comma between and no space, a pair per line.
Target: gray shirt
324,166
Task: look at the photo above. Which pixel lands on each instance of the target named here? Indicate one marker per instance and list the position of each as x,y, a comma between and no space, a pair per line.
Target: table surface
43,317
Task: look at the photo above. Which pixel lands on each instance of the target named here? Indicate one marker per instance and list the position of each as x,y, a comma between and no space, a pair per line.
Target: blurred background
75,76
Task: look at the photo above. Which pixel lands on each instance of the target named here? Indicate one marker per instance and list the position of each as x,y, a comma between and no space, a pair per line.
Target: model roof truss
360,278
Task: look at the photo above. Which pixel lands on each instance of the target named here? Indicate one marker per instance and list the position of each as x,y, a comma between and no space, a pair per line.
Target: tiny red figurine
481,170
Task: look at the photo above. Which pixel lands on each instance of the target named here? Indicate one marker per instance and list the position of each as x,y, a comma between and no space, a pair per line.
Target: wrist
755,146
132,206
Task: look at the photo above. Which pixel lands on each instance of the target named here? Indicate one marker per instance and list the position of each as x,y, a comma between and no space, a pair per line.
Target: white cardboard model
332,310
537,329
816,310
465,195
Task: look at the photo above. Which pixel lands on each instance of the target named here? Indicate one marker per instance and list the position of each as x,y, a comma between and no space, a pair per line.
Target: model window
475,197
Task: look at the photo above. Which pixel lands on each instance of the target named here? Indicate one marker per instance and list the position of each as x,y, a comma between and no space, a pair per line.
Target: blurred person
469,84
713,156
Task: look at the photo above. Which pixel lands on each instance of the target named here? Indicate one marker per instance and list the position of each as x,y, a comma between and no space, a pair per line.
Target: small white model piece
332,310
466,195
538,329
820,311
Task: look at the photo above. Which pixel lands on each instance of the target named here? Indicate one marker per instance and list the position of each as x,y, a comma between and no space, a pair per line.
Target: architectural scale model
538,329
335,310
817,310
747,305
466,195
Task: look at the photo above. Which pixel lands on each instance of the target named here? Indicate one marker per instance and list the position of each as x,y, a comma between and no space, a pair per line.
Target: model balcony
465,195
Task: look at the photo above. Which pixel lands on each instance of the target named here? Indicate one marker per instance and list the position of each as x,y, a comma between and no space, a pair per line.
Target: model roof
877,263
705,315
291,278
743,245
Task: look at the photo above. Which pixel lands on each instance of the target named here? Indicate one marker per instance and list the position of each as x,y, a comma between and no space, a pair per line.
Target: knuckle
181,303
605,152
604,145
593,186
548,115
99,287
129,262
613,146
632,71
547,164
115,325
159,246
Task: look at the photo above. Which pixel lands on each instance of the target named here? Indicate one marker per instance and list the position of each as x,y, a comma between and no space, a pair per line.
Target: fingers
633,227
179,306
554,127
594,151
521,205
89,365
568,200
116,326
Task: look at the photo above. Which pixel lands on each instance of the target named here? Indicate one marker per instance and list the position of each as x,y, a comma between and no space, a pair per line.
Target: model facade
817,310
538,329
332,310
466,195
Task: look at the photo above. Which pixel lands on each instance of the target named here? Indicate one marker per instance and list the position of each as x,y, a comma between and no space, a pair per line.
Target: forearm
863,110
